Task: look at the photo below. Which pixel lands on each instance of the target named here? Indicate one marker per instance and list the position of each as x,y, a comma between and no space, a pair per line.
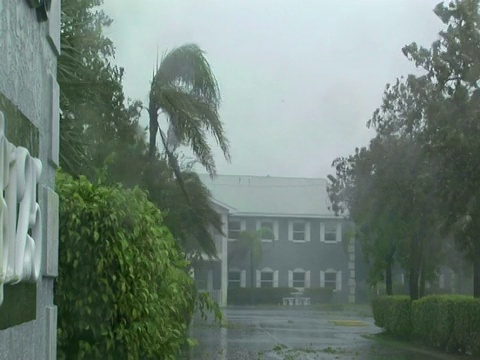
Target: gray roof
270,196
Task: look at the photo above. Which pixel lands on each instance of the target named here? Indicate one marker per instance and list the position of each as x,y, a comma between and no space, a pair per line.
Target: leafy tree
451,130
387,190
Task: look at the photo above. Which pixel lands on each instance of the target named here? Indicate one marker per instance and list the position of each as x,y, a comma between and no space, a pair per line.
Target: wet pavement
303,334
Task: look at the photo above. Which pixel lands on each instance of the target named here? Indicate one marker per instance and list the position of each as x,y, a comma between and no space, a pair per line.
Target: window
267,278
235,227
234,279
330,232
299,231
272,226
299,278
332,279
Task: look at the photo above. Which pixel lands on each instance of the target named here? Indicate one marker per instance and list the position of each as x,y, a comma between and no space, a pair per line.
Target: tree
185,90
94,118
452,130
101,137
251,248
387,190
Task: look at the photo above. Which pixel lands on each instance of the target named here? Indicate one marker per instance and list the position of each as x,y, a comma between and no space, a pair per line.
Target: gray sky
299,78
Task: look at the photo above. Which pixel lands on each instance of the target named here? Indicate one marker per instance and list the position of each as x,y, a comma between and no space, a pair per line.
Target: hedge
274,296
433,321
260,296
123,291
319,295
394,314
448,322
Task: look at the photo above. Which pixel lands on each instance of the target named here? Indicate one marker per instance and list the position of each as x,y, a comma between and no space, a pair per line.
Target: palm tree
250,244
185,90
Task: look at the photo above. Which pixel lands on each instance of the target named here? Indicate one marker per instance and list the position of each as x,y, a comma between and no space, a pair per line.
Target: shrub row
274,296
449,322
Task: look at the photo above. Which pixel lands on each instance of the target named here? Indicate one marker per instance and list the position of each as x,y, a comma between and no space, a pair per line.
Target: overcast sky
298,78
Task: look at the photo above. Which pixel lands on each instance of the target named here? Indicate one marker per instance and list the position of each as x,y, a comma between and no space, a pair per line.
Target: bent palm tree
185,90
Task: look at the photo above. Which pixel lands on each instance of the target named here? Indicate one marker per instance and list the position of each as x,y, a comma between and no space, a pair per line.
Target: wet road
304,334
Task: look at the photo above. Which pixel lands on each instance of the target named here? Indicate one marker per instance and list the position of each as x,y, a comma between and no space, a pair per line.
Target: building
29,154
311,247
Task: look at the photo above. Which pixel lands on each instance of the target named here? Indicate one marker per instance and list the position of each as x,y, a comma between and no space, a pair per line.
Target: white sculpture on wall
20,215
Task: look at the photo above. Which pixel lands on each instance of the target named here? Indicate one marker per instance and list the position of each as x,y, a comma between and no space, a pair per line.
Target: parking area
298,333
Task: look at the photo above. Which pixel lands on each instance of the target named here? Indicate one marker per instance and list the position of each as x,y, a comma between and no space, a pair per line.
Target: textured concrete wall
28,62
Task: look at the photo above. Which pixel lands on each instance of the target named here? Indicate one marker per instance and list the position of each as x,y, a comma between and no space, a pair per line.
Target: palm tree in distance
250,244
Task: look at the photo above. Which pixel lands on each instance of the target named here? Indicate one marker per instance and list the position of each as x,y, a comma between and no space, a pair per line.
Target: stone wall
29,106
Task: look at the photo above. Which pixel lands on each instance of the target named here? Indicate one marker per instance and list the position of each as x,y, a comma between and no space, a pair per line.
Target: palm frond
187,67
191,119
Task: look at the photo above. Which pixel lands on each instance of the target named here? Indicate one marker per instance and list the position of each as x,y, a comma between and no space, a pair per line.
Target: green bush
122,291
394,314
433,321
466,314
319,295
449,322
260,296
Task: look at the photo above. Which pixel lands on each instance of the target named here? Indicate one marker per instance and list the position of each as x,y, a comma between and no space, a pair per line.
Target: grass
348,323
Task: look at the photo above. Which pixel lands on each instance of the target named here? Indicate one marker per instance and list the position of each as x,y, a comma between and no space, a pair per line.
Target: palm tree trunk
252,280
153,128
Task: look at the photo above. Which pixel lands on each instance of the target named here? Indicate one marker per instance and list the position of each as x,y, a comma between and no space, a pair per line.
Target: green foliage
205,305
94,120
466,314
186,91
123,291
262,296
394,314
433,320
449,322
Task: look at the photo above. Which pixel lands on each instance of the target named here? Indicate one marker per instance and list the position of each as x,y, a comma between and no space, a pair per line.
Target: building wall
29,90
315,256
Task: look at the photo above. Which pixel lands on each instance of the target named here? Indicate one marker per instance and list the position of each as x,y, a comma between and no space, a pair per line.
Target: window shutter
290,278
307,279
339,281
339,232
258,278
243,278
275,278
290,231
307,230
275,230
322,279
322,232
